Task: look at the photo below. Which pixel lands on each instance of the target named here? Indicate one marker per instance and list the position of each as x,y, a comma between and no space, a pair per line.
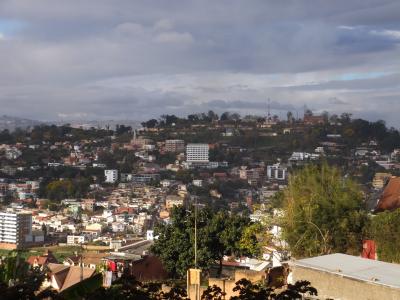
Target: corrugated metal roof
372,271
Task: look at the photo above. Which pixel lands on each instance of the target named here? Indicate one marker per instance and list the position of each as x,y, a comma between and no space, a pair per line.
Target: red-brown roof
390,198
67,276
44,259
149,268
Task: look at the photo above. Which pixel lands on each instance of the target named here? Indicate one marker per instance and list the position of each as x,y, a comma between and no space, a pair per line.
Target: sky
131,59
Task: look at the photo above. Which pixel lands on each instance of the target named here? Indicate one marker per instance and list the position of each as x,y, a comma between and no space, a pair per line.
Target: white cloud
1,36
82,56
164,25
345,27
393,34
129,28
76,115
174,37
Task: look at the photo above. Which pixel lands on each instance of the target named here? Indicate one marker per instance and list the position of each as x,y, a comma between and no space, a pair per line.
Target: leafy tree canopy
323,212
218,234
385,231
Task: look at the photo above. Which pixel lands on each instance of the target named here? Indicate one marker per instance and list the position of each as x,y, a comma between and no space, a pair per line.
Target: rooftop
355,267
390,198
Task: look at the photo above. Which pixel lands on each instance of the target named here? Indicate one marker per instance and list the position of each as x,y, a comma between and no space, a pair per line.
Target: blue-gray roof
377,272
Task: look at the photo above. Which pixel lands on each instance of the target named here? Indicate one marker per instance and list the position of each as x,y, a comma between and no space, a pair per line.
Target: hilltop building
175,146
197,153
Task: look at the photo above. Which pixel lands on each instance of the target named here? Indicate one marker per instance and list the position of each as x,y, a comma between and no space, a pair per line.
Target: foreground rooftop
354,267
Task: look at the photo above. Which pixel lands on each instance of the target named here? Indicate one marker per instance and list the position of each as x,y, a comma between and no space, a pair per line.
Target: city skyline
140,59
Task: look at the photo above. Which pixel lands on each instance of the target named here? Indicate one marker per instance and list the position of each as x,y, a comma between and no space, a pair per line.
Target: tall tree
385,231
323,212
218,234
289,117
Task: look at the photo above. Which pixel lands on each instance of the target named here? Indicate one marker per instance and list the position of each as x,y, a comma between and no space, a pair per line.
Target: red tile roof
390,198
44,259
67,276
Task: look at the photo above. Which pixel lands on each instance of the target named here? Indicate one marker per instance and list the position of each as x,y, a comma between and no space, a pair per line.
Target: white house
111,176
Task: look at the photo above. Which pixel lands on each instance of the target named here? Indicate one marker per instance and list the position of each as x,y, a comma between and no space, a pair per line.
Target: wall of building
338,287
7,246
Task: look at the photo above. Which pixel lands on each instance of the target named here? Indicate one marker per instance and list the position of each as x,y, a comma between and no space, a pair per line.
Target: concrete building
341,276
88,204
276,172
15,230
175,146
76,239
380,180
111,176
173,200
197,153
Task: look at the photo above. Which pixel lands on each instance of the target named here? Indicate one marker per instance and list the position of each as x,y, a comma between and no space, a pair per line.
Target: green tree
254,237
19,281
323,212
257,291
213,293
385,231
218,234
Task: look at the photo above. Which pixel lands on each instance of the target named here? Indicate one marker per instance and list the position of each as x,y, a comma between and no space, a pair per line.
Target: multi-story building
277,172
15,229
173,200
175,146
111,176
197,153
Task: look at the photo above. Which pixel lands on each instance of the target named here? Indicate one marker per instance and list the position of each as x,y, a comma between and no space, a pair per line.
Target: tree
345,118
323,212
289,117
121,129
225,116
58,190
150,123
235,117
308,113
325,115
218,234
225,232
254,237
213,293
184,175
193,118
385,231
127,287
19,281
257,291
169,119
212,115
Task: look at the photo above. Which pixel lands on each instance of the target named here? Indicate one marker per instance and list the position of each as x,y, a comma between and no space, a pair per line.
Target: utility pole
81,259
195,233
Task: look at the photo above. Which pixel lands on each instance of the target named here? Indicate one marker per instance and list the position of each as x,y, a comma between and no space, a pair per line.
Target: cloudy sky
128,59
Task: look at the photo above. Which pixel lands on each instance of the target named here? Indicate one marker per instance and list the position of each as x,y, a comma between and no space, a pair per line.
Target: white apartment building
111,176
15,229
197,153
277,172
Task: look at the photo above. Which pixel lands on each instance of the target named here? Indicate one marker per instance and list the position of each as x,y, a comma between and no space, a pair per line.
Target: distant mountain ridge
11,123
111,124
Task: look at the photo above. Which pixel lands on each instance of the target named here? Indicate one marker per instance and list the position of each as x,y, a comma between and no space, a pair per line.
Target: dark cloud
141,58
248,105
